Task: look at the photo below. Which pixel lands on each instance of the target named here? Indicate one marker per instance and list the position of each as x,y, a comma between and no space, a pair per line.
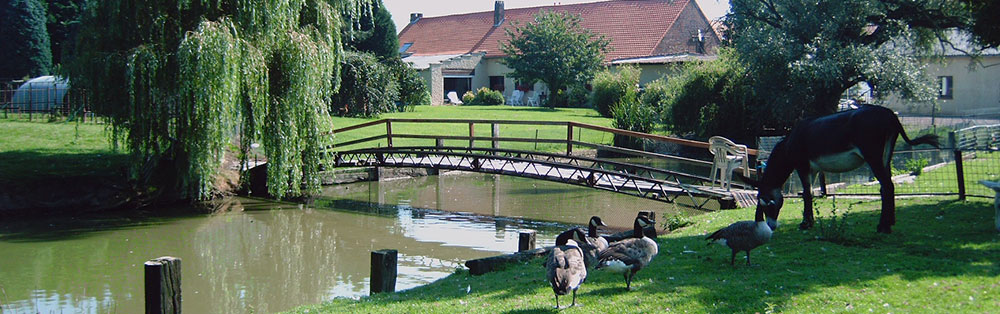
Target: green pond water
263,257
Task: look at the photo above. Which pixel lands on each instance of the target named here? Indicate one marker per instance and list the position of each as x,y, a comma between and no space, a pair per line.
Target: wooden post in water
163,285
526,241
383,277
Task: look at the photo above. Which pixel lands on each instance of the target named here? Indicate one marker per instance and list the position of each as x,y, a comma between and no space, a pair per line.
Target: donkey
838,142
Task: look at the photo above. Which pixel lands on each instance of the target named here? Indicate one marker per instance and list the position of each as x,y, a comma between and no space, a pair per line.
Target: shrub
613,87
412,89
718,98
676,221
367,88
632,116
577,97
916,166
488,97
468,98
656,95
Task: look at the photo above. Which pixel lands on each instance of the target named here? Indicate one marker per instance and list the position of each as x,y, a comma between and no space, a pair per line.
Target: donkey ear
751,182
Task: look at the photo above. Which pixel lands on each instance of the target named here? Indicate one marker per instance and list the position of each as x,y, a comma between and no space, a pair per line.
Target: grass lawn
30,150
942,258
589,116
985,166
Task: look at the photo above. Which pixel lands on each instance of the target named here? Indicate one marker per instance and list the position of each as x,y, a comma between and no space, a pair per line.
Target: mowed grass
36,150
588,116
942,258
981,166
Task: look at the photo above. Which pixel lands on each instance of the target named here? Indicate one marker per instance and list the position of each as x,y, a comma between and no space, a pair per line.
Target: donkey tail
929,139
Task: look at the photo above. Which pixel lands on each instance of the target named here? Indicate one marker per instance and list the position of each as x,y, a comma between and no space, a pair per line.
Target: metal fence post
960,173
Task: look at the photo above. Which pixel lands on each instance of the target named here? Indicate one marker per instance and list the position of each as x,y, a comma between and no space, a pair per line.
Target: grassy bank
39,149
589,116
941,258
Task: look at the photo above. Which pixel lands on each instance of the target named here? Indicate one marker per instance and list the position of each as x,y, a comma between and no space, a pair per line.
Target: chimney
498,14
414,17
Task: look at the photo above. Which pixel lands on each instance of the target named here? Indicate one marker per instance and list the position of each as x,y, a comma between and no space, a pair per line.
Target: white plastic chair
453,98
533,100
728,156
515,98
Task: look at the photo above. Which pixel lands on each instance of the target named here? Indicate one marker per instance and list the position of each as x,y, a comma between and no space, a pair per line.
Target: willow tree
183,81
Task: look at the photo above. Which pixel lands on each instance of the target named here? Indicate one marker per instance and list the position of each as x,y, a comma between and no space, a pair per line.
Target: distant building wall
974,91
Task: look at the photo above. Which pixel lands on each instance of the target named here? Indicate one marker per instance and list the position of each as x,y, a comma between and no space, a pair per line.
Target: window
945,86
496,83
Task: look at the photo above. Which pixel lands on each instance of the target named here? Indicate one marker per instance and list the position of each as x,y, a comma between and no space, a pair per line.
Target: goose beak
772,223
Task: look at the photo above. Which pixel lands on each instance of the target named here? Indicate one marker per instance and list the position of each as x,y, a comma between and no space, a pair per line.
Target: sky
401,9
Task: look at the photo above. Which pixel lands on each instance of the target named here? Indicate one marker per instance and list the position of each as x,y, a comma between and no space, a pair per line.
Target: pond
264,256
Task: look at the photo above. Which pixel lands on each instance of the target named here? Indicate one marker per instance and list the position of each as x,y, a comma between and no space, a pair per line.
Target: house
966,87
462,52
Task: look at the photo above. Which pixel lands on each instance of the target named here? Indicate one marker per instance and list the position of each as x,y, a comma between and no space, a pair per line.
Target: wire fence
971,155
42,102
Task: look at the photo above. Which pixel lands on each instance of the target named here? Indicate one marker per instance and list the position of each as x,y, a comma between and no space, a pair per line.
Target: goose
594,243
743,236
630,255
566,268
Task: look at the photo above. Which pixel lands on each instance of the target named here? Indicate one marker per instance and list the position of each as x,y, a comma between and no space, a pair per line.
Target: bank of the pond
941,258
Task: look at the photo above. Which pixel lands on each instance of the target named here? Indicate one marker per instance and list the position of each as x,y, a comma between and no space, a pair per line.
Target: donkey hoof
805,225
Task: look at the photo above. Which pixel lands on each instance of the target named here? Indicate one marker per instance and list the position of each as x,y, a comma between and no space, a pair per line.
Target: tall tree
554,49
375,33
805,54
26,49
178,79
62,22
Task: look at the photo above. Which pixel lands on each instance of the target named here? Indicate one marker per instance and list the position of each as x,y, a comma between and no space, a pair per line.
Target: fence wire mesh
972,155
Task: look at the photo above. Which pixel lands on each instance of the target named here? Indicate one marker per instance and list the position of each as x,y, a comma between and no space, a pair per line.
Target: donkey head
769,201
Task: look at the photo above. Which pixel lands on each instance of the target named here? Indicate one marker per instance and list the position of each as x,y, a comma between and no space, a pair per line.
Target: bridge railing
564,137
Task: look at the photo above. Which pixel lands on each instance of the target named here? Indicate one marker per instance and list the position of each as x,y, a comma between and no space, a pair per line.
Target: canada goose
592,237
630,255
743,236
566,268
594,243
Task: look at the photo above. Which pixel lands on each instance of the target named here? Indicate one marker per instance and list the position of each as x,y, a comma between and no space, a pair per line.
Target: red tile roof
635,27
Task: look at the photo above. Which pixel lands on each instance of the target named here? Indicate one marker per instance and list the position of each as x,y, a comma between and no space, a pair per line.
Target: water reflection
506,196
268,257
265,258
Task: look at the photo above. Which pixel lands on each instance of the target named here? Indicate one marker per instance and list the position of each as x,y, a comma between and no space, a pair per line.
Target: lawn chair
728,156
515,98
453,98
533,100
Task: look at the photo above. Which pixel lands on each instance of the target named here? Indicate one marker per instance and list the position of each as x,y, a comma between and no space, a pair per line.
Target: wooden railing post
472,135
960,173
526,241
388,132
383,276
569,139
163,285
495,133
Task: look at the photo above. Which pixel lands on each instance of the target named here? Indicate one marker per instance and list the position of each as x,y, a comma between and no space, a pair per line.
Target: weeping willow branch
183,82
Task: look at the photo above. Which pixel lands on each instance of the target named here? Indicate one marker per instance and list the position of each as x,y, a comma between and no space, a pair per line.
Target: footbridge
567,152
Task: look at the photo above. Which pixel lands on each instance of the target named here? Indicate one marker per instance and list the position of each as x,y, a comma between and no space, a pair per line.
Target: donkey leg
807,200
888,193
